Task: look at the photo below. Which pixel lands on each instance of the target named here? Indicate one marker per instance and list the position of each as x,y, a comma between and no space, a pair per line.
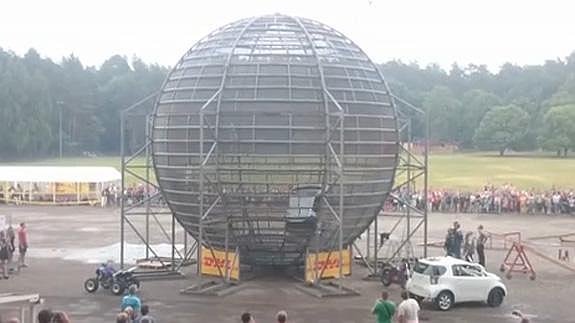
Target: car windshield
427,269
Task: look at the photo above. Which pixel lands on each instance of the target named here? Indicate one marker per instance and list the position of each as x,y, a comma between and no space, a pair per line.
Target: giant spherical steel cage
274,135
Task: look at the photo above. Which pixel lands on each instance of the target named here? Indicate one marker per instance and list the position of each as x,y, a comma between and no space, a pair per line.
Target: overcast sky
443,31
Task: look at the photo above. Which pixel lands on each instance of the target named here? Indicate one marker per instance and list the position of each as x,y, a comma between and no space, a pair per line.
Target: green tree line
523,108
37,95
518,107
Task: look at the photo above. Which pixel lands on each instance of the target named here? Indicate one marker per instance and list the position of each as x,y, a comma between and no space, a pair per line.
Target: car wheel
495,297
444,300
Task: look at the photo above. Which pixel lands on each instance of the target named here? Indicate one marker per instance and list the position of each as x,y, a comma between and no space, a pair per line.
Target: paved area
57,231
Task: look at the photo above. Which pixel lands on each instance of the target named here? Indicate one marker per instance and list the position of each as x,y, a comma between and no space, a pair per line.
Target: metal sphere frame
258,114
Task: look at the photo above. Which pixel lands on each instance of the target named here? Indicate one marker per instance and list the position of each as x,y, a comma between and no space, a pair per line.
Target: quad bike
108,278
398,274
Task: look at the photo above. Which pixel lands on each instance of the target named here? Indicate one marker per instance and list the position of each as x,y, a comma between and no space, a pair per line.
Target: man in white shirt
408,309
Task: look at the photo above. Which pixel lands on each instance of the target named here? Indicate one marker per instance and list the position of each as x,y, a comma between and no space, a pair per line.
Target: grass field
449,171
470,171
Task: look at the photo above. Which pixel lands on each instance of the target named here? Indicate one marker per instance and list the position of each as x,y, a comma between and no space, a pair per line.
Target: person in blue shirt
132,300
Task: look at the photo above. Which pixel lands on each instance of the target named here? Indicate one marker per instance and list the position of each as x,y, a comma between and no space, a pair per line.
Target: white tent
55,184
57,174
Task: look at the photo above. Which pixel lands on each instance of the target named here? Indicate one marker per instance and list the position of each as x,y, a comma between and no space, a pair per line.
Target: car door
468,283
459,284
483,284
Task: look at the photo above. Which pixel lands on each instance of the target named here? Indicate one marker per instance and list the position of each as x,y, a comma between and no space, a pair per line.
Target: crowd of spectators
491,199
488,199
136,193
111,196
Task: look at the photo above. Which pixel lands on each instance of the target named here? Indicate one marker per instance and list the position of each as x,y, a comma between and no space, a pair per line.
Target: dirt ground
56,231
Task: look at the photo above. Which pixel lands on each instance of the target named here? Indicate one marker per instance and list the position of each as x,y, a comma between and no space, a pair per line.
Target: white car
446,281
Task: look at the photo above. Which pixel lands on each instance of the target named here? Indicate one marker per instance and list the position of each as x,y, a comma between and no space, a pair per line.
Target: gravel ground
54,232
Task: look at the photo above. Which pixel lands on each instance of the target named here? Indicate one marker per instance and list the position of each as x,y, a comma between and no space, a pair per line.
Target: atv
108,278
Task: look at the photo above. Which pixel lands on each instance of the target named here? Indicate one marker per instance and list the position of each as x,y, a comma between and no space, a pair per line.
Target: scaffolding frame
151,207
412,168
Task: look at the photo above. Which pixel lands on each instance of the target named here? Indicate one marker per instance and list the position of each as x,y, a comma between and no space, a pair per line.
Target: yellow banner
326,264
214,258
67,188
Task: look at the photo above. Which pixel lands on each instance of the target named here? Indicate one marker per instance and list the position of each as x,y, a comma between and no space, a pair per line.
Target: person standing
22,245
449,242
11,238
131,300
383,309
104,197
481,241
408,309
4,254
469,246
453,241
458,240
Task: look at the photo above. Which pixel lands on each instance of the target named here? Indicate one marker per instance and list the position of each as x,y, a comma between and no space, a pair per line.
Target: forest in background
522,108
35,90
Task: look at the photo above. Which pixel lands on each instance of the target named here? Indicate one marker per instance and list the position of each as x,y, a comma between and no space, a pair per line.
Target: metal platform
213,288
327,289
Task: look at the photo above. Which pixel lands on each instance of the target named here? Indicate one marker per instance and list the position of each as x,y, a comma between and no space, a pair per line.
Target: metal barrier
26,305
506,237
91,202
